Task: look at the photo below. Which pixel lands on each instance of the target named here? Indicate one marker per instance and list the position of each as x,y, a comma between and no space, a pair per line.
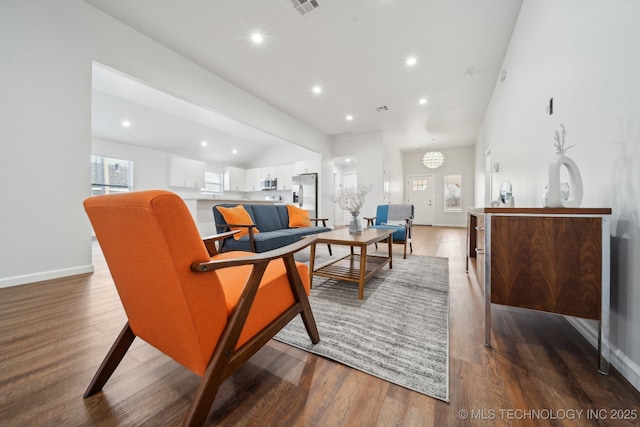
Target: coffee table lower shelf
348,268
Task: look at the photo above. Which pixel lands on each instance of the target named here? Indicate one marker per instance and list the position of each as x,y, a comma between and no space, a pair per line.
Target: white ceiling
354,49
163,122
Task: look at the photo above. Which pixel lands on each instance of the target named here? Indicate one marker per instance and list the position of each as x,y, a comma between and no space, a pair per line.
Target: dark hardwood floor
53,336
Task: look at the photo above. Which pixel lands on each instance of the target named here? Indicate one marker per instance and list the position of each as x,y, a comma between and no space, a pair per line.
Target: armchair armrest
263,257
236,225
406,222
324,221
210,241
250,227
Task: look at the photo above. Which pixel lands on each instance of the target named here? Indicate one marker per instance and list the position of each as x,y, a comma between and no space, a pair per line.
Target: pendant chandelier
433,159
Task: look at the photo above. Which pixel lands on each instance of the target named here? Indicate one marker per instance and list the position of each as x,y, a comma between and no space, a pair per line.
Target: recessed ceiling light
349,117
204,143
126,123
234,151
422,101
411,61
257,38
316,89
347,160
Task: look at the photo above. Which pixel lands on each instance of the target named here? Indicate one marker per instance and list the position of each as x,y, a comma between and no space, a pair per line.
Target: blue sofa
273,223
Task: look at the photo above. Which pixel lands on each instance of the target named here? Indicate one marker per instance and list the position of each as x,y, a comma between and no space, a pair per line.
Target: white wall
584,55
150,167
46,54
344,176
457,161
45,142
281,155
369,152
393,163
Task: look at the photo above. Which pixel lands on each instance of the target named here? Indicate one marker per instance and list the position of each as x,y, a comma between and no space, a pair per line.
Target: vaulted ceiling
355,50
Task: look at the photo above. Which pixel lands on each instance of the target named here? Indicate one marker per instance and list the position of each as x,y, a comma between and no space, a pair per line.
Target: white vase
555,197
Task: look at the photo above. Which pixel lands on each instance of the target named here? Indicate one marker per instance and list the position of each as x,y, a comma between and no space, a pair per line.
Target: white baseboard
45,275
451,225
627,367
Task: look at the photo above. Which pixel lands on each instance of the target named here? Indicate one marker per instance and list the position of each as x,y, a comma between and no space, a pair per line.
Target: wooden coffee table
354,267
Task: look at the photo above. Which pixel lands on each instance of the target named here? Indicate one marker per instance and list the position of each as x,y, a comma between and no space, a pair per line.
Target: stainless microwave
269,184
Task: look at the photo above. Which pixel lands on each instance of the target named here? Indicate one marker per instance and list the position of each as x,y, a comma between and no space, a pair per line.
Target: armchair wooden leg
405,250
111,361
204,397
310,323
301,296
218,368
329,246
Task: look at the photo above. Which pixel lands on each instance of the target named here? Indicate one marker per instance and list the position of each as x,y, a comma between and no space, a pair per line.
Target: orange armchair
210,312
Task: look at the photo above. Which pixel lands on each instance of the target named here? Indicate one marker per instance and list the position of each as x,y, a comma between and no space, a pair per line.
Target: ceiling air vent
381,109
305,6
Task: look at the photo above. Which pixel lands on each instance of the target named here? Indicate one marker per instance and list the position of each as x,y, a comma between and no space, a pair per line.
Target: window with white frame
110,176
213,183
453,193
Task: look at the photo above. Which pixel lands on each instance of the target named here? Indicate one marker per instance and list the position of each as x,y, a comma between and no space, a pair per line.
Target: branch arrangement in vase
351,198
559,138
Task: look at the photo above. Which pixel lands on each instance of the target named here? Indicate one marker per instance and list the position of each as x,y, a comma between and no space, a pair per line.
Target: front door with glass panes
420,194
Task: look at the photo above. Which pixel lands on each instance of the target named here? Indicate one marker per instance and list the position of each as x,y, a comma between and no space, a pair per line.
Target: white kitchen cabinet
269,172
195,173
252,179
284,173
186,173
234,179
177,171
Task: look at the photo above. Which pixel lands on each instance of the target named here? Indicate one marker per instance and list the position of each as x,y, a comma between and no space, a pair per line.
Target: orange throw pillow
237,215
298,217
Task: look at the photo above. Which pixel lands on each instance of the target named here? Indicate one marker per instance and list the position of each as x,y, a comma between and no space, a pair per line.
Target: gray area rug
400,330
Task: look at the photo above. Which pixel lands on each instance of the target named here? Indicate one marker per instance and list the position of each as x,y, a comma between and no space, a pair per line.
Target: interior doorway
420,193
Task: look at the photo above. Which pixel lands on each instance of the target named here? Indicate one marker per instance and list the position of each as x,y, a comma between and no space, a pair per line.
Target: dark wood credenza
546,259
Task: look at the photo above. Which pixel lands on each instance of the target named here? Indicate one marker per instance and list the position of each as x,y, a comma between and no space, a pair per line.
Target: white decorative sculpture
555,197
506,195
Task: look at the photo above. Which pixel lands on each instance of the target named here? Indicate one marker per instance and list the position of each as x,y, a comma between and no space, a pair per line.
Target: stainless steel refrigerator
305,192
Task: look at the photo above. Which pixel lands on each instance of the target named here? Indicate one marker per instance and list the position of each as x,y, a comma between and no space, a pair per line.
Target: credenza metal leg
603,335
487,281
